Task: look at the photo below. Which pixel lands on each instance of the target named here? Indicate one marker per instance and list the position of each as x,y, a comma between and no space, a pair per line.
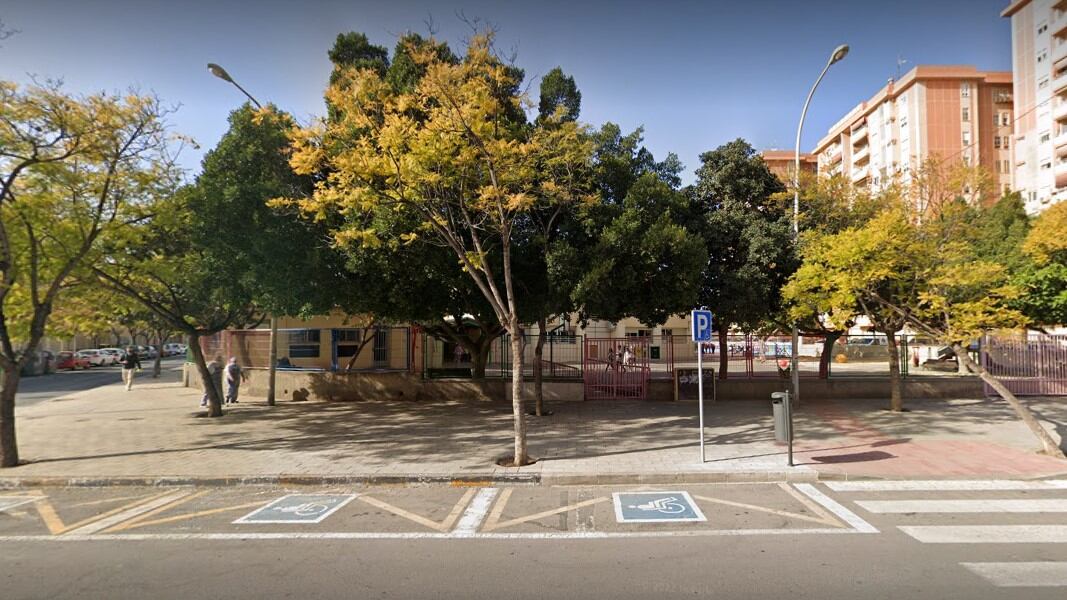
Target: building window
1045,136
304,343
1046,165
967,160
639,333
1006,138
966,138
1005,119
965,89
996,141
381,348
903,121
1042,56
966,113
1042,28
1042,83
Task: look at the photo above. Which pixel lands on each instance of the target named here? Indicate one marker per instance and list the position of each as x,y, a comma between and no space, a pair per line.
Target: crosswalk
991,517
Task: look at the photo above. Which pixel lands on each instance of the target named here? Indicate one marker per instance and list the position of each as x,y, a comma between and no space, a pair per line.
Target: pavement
157,433
872,539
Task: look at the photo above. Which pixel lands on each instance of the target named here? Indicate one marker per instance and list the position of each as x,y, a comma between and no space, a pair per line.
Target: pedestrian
130,362
458,353
214,370
233,380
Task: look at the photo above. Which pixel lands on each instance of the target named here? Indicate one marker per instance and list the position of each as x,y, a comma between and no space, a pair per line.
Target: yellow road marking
443,526
492,523
498,508
773,511
152,513
812,506
55,523
105,501
174,518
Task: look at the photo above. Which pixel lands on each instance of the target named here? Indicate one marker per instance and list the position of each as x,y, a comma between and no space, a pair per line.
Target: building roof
1014,7
786,155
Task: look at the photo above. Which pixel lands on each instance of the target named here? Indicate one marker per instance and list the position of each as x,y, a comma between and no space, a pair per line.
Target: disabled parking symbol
298,508
655,507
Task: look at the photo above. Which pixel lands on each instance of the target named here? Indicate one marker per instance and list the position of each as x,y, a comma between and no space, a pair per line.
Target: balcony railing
1058,25
1060,172
1060,143
861,154
1059,84
859,174
859,133
1059,112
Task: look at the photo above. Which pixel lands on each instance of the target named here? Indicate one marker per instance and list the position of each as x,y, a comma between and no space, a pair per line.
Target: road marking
442,526
105,501
1021,574
9,502
317,506
992,505
946,486
183,517
841,512
493,521
782,513
812,506
106,522
346,535
56,525
475,513
141,517
987,534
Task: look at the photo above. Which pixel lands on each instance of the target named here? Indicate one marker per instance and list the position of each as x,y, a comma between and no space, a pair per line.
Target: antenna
901,61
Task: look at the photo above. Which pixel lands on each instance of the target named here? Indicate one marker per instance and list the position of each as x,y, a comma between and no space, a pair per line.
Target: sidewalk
158,431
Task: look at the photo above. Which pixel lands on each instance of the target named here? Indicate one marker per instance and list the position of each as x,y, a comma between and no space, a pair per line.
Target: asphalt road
822,541
63,383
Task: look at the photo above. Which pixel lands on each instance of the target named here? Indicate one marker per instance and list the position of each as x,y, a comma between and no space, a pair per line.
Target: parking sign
701,325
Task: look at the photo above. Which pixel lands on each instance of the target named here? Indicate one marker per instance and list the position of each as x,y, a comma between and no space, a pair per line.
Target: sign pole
700,396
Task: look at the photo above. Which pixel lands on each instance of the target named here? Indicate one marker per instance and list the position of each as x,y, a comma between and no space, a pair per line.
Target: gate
1035,365
616,368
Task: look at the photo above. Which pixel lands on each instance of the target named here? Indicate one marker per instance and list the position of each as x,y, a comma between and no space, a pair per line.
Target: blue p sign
701,324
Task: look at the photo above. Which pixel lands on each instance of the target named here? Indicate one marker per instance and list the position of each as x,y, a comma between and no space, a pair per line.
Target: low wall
317,385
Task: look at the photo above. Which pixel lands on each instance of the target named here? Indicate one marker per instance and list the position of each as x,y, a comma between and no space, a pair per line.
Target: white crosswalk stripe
987,534
946,485
1021,574
993,505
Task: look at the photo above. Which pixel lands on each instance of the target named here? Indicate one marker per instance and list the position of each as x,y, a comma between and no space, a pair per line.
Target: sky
694,74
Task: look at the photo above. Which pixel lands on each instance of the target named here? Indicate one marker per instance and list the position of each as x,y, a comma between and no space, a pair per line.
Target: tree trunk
272,359
724,352
542,333
9,451
480,357
827,353
518,413
214,395
1048,444
896,397
157,365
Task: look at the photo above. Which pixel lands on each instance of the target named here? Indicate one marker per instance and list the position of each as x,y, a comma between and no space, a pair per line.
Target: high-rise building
782,163
954,113
1039,63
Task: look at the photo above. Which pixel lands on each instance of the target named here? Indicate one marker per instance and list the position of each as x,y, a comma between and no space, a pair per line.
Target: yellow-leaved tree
455,156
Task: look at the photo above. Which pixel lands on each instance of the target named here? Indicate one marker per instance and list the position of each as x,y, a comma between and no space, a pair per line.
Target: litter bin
780,406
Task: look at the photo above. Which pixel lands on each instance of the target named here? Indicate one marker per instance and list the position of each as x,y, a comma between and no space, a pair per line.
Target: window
966,138
966,113
1006,138
965,89
639,333
381,348
996,141
967,160
1042,56
304,343
1042,28
1046,165
1042,83
1005,119
1045,136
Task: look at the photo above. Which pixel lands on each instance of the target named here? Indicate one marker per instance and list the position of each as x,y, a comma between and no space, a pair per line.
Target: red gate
616,368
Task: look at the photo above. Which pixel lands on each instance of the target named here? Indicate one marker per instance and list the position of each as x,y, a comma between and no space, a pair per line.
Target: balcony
1059,53
861,154
859,174
859,133
835,154
1059,84
1059,112
1059,143
1058,25
1060,171
1006,97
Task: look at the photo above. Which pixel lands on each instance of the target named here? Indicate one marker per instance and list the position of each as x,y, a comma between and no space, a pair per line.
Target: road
893,540
33,390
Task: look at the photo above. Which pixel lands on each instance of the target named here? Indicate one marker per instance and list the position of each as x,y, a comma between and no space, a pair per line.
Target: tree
454,154
1043,275
559,92
748,239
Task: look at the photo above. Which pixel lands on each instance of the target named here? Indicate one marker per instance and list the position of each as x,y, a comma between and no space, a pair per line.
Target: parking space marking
141,517
182,517
314,509
445,525
9,502
475,513
104,501
833,506
100,524
56,526
493,521
773,511
810,505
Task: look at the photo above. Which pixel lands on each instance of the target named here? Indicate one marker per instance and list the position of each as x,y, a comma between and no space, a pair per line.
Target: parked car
117,354
173,349
96,358
43,362
71,360
147,352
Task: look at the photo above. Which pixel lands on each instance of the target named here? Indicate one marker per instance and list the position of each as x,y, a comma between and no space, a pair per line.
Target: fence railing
1027,364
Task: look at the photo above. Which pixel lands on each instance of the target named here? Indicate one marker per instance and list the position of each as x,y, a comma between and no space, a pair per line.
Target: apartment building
782,162
950,112
1039,62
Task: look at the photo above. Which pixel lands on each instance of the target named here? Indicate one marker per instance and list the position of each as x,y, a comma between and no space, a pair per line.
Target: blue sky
695,74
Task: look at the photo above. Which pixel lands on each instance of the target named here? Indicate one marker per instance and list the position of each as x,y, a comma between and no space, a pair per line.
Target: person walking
233,380
214,370
130,362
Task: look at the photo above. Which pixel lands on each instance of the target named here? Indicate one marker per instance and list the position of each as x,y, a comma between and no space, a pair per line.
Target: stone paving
159,430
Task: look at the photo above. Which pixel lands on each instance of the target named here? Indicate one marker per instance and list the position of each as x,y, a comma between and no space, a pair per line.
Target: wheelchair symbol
307,509
668,506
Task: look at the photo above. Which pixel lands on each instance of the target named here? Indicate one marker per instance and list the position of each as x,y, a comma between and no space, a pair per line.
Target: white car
117,354
96,358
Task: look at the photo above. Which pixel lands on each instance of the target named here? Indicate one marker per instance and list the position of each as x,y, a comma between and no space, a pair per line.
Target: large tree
748,238
72,171
454,152
1043,276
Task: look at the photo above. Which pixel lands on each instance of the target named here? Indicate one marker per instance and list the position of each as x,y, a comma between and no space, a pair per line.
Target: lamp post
272,359
839,53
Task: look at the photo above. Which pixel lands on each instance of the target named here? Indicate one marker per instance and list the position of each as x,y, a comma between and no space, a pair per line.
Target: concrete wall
292,385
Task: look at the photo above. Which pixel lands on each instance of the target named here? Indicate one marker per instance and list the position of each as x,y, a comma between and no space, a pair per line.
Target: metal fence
1029,365
337,349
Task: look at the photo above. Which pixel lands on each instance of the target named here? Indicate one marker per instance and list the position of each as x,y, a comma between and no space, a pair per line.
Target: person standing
214,370
130,362
233,380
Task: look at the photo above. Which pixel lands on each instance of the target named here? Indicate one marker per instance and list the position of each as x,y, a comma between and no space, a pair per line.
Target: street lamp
221,73
839,53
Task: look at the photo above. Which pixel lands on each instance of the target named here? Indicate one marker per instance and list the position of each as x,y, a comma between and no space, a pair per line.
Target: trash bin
780,406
